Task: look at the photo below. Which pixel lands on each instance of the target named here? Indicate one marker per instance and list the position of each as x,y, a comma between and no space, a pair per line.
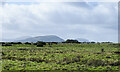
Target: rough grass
61,56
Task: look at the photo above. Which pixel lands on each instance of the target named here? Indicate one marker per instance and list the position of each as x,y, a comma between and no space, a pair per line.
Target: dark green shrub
6,44
71,41
28,43
40,42
92,42
15,43
39,45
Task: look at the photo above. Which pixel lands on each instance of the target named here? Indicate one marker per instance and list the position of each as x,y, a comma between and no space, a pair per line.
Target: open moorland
61,56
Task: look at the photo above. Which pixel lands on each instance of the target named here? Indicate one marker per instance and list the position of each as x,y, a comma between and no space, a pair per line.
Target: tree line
41,44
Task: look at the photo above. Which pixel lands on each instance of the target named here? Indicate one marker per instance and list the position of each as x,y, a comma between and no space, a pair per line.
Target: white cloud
99,22
60,0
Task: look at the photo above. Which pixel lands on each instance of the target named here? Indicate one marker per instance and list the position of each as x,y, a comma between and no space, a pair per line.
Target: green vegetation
61,56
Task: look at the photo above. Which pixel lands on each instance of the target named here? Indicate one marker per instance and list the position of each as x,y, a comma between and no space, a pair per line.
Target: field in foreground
62,56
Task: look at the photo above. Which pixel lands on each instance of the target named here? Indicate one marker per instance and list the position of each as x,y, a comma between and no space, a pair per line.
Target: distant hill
22,38
47,38
82,40
14,40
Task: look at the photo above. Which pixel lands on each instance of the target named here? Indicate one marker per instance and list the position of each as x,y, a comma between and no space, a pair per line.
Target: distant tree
92,42
106,42
16,43
19,43
27,43
71,41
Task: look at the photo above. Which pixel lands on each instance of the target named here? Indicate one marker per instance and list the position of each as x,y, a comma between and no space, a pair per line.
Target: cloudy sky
95,21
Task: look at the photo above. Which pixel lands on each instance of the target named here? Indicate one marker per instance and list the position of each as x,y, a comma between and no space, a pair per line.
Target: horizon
10,40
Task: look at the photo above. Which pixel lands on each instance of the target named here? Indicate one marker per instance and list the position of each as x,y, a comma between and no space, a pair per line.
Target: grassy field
62,56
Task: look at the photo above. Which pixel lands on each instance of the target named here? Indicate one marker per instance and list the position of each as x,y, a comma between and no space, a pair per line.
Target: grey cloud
67,20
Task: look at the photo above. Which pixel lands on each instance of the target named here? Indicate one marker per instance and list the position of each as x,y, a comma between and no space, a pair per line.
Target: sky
95,21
